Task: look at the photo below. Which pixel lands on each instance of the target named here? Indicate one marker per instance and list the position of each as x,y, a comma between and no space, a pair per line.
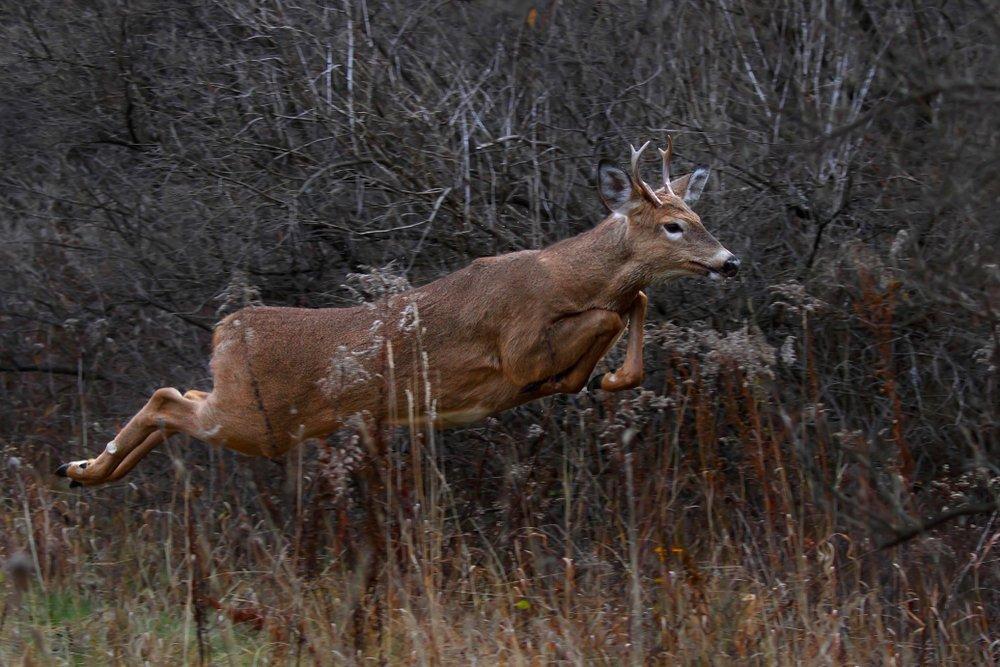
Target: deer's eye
673,228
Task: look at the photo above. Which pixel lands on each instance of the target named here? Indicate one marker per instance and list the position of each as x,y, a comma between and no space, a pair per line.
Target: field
808,476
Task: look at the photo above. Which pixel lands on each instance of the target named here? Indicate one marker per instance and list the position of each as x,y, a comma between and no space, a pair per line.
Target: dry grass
706,521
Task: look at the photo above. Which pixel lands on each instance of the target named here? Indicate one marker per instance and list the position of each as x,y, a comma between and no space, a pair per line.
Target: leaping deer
500,332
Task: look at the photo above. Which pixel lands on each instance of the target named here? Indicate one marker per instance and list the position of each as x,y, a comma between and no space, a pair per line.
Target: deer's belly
461,403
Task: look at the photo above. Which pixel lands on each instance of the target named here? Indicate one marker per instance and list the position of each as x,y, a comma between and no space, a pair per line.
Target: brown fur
498,333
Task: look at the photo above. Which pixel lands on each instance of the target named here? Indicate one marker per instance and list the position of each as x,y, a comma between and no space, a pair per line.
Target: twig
54,370
934,522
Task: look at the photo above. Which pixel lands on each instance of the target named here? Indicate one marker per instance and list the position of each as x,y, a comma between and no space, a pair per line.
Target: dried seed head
18,567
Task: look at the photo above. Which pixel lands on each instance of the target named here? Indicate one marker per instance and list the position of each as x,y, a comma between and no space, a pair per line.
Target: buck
498,333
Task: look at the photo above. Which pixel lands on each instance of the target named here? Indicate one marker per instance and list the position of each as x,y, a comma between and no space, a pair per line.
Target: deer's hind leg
166,412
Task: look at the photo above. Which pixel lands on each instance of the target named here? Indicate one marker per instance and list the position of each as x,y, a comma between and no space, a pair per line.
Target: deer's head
663,234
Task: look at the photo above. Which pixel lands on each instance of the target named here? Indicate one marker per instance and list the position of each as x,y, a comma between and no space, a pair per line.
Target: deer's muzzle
730,267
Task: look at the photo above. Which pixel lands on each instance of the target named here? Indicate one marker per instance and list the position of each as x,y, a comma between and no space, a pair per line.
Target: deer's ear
690,186
613,185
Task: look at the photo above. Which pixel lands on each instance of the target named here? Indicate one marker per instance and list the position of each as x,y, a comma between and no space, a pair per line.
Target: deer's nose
731,266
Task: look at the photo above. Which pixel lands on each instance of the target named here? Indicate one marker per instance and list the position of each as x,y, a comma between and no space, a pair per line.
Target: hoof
63,470
595,382
74,484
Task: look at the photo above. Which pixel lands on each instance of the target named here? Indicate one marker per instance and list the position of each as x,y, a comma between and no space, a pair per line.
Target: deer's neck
597,269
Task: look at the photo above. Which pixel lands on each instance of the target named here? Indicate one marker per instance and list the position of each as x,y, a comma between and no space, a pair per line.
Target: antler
637,178
666,155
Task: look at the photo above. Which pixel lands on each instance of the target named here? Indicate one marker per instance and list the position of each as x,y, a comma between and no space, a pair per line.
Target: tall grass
715,516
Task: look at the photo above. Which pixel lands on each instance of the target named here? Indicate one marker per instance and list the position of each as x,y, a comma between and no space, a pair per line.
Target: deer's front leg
564,356
631,373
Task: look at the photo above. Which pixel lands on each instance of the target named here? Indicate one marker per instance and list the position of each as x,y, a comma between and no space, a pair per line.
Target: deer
498,333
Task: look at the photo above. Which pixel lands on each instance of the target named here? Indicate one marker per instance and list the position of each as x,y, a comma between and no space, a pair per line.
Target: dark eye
673,228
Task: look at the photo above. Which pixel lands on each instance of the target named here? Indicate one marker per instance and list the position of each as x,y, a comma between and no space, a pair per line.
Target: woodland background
164,162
